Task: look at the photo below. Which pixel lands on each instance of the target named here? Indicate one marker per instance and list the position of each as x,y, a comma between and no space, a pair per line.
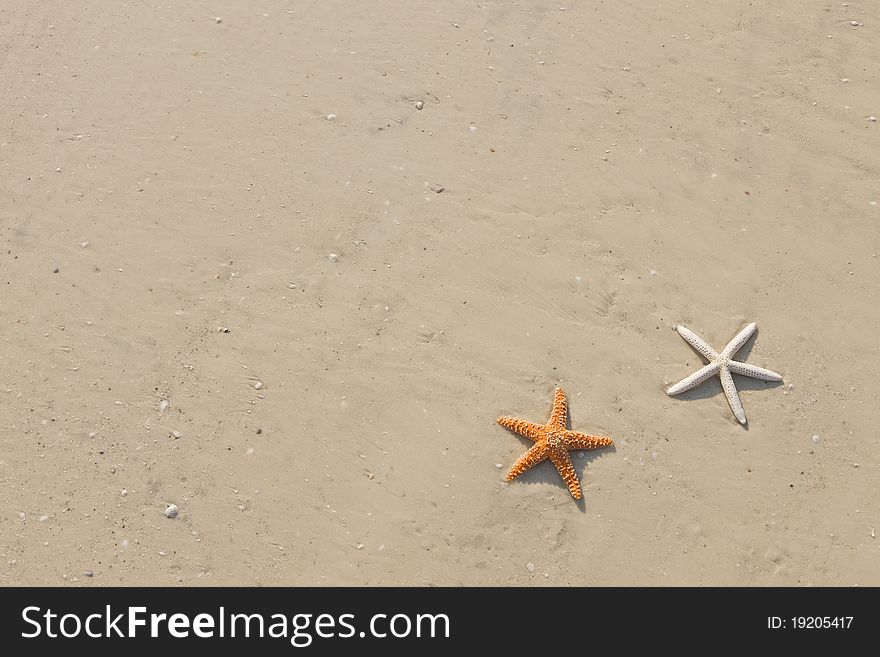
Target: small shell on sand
176,435
258,385
163,405
171,511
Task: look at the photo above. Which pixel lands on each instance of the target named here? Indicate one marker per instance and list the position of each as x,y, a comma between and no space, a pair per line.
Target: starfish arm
578,440
732,395
560,409
694,379
536,454
523,428
753,371
741,338
697,343
563,463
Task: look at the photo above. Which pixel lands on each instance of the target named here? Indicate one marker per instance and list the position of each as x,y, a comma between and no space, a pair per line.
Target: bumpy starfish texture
723,365
552,441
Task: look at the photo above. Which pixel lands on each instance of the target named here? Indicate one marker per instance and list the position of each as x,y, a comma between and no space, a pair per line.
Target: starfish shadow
712,388
545,473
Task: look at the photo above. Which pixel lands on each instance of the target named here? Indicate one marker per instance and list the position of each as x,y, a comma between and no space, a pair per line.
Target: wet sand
576,183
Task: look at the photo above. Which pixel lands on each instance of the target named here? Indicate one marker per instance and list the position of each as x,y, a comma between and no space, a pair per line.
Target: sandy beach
283,264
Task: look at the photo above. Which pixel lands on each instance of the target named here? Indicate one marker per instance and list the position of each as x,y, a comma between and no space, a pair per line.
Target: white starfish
723,365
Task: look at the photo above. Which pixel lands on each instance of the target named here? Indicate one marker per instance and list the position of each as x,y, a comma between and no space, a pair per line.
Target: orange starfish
552,441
